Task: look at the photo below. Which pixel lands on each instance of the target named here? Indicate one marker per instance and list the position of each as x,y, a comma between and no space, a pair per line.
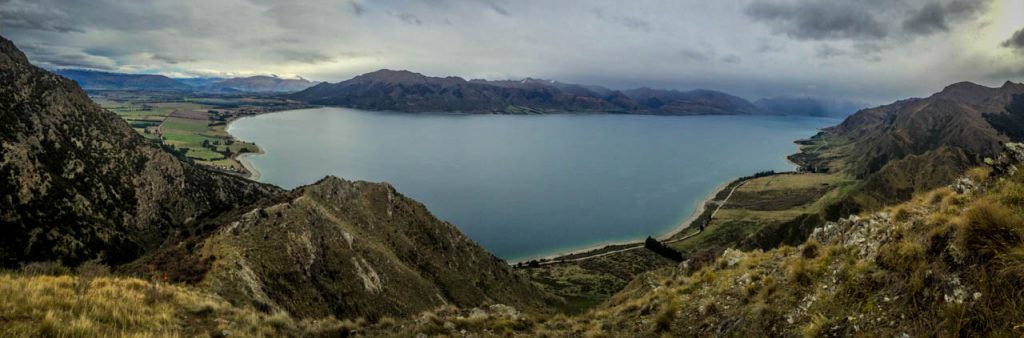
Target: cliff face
412,92
76,182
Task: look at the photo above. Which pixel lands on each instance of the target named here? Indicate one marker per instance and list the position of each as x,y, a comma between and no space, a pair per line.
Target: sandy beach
244,160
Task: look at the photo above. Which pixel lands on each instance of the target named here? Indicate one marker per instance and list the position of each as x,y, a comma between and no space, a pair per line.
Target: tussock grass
989,227
38,305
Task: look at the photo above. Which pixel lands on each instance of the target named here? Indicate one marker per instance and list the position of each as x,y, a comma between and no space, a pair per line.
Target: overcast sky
867,50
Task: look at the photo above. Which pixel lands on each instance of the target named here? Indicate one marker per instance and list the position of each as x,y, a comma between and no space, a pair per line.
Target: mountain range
98,80
407,91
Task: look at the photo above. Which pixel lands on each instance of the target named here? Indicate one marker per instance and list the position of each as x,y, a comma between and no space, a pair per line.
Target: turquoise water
523,186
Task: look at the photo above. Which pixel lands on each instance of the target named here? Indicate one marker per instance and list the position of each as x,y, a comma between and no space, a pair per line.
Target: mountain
97,80
199,82
413,92
808,106
915,144
347,249
260,84
77,184
695,102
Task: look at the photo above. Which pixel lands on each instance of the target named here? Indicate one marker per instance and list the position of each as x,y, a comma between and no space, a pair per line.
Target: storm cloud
1016,41
869,50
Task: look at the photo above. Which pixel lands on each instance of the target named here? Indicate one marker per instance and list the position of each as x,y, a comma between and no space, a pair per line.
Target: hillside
913,145
341,248
78,183
413,92
97,80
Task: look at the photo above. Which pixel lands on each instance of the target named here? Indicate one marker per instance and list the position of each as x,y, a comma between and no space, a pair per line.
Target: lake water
524,186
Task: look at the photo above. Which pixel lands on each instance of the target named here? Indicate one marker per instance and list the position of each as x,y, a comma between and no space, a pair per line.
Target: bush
663,320
87,272
45,268
988,229
810,249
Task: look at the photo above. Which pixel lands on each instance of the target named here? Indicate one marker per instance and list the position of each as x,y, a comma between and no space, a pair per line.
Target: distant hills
406,91
97,80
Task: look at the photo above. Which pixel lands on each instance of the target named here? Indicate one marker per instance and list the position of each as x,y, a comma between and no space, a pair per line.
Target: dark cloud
34,16
358,8
818,20
497,8
865,20
408,18
631,22
751,48
55,57
1016,41
693,55
936,17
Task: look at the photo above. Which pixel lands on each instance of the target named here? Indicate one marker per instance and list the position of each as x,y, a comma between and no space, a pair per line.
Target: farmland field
192,124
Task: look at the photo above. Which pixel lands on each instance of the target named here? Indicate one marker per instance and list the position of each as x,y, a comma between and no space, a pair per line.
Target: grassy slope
58,306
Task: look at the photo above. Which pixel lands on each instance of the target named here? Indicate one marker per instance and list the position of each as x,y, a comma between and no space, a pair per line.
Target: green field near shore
192,125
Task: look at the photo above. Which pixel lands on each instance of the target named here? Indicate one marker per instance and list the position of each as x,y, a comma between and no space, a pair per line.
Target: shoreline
678,228
251,172
242,158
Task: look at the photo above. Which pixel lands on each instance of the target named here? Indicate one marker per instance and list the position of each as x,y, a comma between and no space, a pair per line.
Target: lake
525,186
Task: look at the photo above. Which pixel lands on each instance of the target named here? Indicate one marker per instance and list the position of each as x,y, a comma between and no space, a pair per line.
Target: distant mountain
97,80
199,82
413,92
260,84
808,106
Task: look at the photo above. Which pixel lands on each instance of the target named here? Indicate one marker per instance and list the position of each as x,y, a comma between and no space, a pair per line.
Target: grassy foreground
79,306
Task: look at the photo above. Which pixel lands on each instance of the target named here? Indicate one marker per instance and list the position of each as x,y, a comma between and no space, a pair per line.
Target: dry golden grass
61,306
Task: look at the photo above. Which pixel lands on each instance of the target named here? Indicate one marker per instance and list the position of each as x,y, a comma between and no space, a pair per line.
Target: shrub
938,195
663,320
87,272
979,174
45,268
799,272
901,213
816,326
810,249
988,228
1013,194
155,294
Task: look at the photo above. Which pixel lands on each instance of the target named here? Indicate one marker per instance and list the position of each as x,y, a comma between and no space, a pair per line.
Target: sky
873,51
